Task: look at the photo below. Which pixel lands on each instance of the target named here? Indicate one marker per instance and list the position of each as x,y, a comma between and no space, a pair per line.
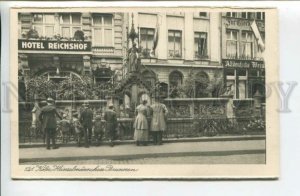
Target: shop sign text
54,45
244,64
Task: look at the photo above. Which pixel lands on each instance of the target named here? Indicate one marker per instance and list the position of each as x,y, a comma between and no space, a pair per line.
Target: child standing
98,129
77,127
64,126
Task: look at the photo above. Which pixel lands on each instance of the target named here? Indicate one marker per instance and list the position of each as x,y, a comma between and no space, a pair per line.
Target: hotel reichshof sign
49,45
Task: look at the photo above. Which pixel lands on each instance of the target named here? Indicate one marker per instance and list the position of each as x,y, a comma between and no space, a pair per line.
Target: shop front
52,61
244,77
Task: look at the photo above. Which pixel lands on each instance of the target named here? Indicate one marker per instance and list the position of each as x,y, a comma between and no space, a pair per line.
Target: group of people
149,119
82,124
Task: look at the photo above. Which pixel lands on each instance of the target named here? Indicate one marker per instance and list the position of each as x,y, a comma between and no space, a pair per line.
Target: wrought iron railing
176,128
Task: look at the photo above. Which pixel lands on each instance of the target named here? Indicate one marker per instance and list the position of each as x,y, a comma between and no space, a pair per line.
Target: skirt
141,135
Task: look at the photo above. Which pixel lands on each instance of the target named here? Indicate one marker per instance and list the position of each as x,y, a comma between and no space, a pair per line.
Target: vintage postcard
144,93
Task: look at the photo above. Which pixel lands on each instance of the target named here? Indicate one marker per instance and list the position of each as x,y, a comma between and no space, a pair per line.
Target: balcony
175,54
103,50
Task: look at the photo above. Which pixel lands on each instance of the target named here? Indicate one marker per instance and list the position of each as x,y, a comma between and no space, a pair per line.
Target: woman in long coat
141,124
158,122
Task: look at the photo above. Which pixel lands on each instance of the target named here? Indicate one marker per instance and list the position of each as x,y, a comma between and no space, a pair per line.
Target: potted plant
79,35
32,34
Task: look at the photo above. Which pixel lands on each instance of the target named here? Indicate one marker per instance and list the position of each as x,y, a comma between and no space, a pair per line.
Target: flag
258,36
155,41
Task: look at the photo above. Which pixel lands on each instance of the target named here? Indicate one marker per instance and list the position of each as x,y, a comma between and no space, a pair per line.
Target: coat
98,126
48,117
110,117
158,121
86,118
141,122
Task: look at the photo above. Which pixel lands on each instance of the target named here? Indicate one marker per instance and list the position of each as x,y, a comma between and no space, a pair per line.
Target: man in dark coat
48,118
86,120
110,117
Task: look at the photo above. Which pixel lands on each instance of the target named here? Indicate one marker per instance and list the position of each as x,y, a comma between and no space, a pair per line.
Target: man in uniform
110,117
48,118
86,120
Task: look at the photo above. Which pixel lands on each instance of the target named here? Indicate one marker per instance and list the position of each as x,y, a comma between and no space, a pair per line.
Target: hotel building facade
209,49
59,45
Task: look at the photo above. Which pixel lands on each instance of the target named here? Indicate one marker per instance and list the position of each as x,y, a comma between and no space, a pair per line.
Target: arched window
175,81
175,78
163,90
149,77
201,84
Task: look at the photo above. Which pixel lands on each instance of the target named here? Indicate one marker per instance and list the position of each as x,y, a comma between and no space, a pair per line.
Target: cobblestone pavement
228,159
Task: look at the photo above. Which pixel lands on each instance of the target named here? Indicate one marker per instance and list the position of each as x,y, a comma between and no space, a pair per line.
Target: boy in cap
98,129
77,128
64,126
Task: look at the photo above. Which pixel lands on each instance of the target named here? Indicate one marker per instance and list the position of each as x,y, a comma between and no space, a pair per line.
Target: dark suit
86,120
48,118
110,117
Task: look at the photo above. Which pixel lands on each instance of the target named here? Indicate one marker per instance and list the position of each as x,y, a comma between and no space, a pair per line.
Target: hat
110,105
98,117
64,115
50,100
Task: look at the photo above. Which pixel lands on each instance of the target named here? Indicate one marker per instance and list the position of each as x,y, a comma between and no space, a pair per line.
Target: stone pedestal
134,94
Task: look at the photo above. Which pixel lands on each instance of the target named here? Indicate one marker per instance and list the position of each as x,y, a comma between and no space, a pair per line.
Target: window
260,15
174,44
250,15
38,18
149,78
176,78
70,23
230,72
253,73
246,45
201,84
163,90
200,44
203,14
231,14
231,43
147,37
102,30
24,30
44,24
175,81
244,15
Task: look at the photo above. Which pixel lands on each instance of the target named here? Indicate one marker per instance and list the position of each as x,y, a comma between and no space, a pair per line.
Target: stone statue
133,59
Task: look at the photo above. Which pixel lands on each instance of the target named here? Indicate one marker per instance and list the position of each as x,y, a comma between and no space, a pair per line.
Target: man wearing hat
86,120
48,118
110,117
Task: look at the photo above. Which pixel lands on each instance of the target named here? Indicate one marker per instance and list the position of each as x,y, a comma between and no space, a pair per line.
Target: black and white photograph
104,93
